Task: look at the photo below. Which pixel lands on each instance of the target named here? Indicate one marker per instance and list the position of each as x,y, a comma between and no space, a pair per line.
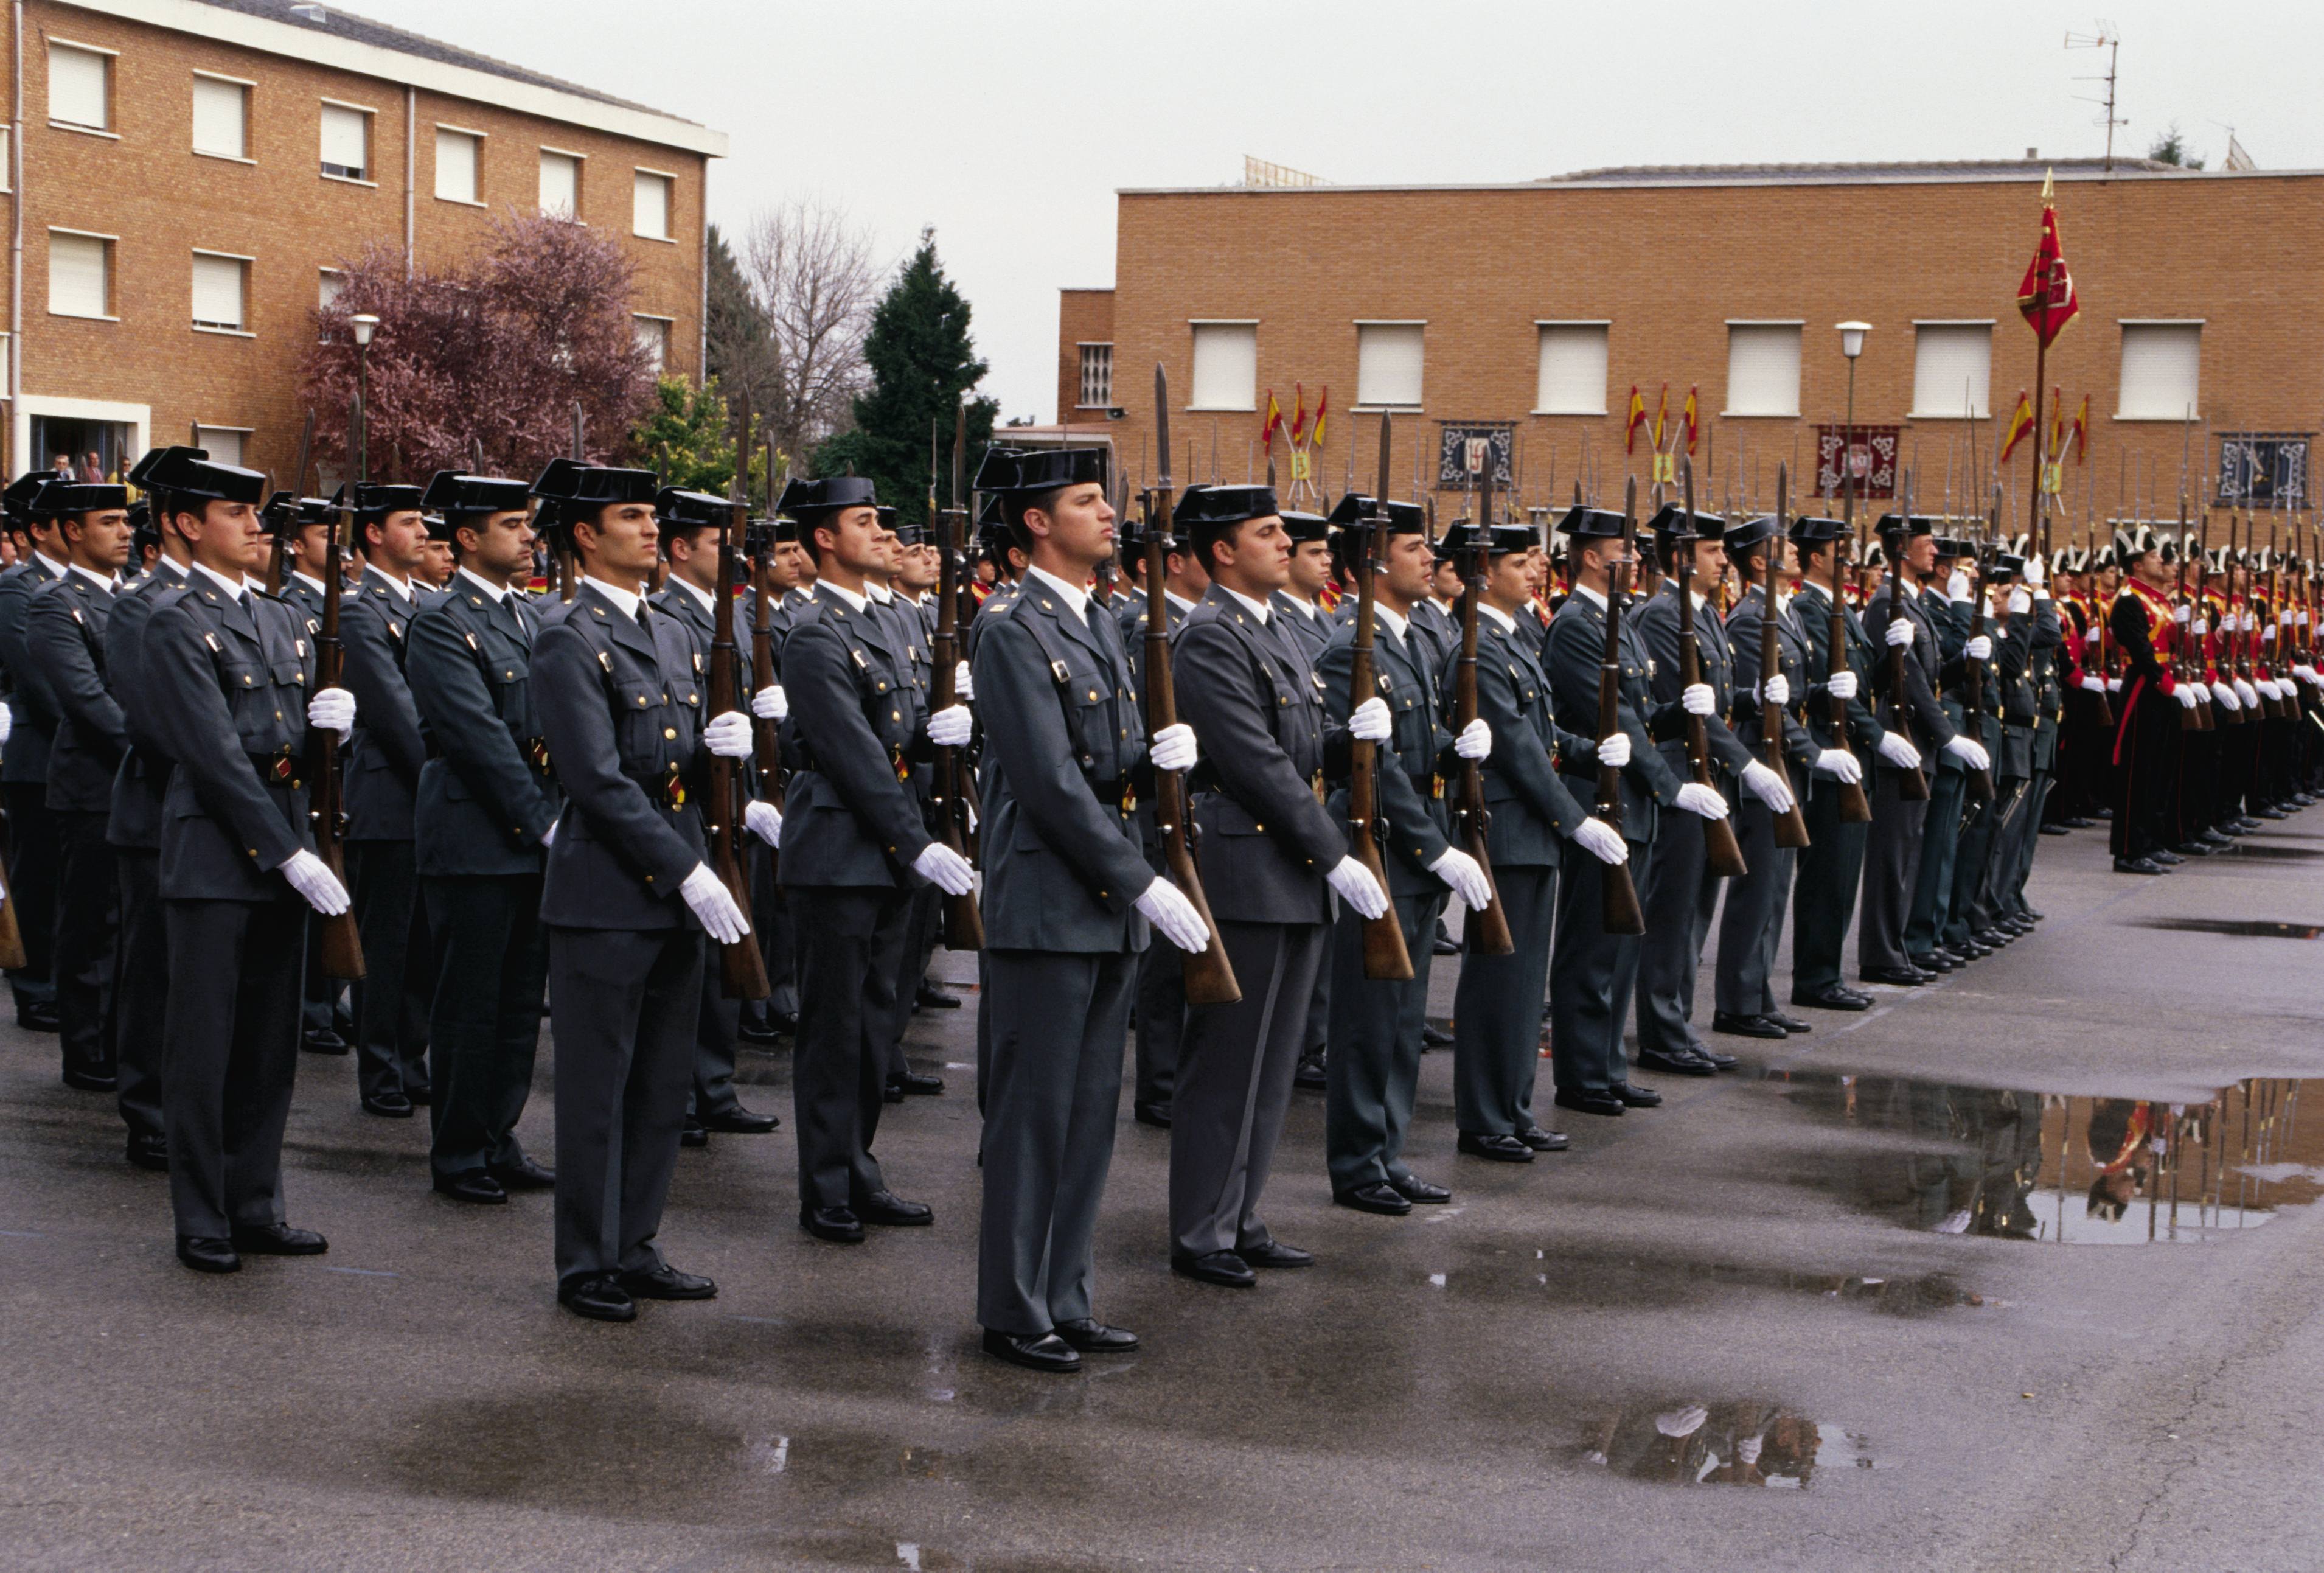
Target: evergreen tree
922,363
687,436
741,339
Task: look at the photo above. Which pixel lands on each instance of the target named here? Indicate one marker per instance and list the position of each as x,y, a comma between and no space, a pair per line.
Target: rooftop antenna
2109,39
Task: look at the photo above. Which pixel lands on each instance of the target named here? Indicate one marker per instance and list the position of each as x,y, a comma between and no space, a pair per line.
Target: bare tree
810,275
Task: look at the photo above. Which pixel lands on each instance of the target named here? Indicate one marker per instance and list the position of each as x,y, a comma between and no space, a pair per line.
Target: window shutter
560,185
456,165
223,443
1226,366
1763,368
347,142
2161,371
218,117
1953,370
653,337
1389,364
77,84
77,266
218,292
1572,380
333,282
650,214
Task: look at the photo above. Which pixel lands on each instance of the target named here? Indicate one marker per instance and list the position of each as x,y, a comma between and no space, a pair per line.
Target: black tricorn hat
1130,537
1897,524
1304,528
1041,469
1747,536
784,526
59,496
438,526
449,491
569,489
1355,508
2005,567
140,474
827,495
183,473
1583,522
1207,510
375,500
1500,541
1817,530
18,499
1953,547
142,531
683,510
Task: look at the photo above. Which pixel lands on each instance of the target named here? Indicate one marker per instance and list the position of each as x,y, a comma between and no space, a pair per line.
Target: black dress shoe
1155,1114
37,1017
278,1240
2138,866
1947,953
1837,996
322,1041
914,1084
1901,976
206,1253
1092,1336
885,1207
1500,1149
892,1092
1635,1097
1275,1254
840,1226
1588,1101
150,1152
1741,1026
2217,842
420,1096
600,1297
2167,858
1686,1062
1430,1037
1376,1197
1542,1140
1996,938
1929,961
666,1283
474,1186
523,1174
740,1121
1222,1268
1413,1188
1714,1057
758,1031
2030,915
91,1080
1308,1075
1789,1023
2054,830
387,1105
1033,1351
2269,813
932,998
695,1134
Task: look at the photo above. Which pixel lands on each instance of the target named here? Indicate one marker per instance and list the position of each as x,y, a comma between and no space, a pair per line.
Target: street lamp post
364,325
1851,345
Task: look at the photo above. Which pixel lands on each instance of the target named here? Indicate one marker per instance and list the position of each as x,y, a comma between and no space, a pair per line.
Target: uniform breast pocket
247,695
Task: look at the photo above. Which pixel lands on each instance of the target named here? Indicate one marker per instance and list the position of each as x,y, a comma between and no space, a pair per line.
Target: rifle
1980,786
1487,933
342,945
1621,913
567,580
741,967
1723,854
964,925
1210,978
2190,719
1912,783
277,559
1855,807
1790,825
1385,955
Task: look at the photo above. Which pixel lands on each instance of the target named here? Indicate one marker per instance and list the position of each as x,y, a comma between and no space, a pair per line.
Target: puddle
2237,928
2071,1170
1748,1442
2265,849
1579,1277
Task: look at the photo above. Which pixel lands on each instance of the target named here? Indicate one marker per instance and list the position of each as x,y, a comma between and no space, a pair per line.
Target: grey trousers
1678,897
1234,1084
1753,923
850,939
717,1033
1374,1070
621,1003
2024,832
140,991
230,1049
1049,1113
1496,1009
1592,975
1161,994
1892,861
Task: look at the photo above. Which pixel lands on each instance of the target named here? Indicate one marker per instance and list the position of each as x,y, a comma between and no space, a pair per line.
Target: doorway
75,438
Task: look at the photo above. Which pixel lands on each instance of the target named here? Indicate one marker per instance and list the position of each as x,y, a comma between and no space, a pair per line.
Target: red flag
1274,420
1322,406
1299,415
2047,311
1661,417
2021,421
1688,414
2057,422
1637,418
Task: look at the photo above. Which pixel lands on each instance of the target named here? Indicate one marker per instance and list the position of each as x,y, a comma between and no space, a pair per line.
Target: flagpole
2038,518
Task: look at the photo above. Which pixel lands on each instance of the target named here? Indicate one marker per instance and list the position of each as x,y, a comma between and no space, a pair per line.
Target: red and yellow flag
2021,421
2046,296
1661,416
2056,423
1689,415
2082,431
1322,406
1299,415
1273,423
1636,418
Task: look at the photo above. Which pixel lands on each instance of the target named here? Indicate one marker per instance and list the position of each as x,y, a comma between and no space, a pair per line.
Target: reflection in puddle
1746,1443
2263,850
2237,928
2077,1171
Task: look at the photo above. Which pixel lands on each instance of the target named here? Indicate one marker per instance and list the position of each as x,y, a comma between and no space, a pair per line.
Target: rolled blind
560,185
2161,371
78,265
1763,368
223,443
651,217
1952,369
346,141
456,166
76,93
218,292
1389,357
218,117
1572,373
1226,366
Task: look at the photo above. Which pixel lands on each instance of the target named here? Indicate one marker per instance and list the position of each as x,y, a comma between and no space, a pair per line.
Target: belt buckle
536,749
903,771
1316,783
1128,799
1436,787
282,763
673,787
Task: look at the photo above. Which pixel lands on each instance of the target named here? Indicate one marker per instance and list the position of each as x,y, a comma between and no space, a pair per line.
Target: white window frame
371,141
1082,400
668,337
1978,411
2197,324
7,164
1799,326
112,250
580,176
1363,322
49,87
248,263
476,169
1605,326
669,203
1194,325
249,97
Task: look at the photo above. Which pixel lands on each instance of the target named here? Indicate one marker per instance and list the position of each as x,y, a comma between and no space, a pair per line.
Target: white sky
1007,124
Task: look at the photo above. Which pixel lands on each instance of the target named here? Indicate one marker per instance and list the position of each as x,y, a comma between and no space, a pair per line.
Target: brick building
1535,309
183,175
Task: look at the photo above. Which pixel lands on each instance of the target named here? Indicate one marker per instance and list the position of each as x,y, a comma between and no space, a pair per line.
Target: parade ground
1874,1252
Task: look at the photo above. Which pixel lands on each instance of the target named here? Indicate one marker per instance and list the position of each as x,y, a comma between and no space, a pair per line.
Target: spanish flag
1688,414
2057,422
1661,416
2020,423
1637,418
1273,422
1299,413
1322,405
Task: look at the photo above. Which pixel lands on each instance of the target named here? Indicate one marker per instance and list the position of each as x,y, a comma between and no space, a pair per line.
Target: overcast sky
1007,124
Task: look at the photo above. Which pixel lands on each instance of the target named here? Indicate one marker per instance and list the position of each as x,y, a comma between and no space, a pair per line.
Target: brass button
670,731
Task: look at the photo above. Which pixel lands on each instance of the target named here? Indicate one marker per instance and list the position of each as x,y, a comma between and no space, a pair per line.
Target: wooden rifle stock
1621,913
12,937
742,968
964,924
1979,788
342,945
1385,957
1485,933
1912,783
1790,825
1723,854
766,741
1855,807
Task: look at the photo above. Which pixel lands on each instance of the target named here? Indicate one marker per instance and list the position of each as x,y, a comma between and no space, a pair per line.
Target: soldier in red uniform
2145,754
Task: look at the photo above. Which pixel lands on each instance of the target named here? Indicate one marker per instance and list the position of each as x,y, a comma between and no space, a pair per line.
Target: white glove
1840,764
2223,694
1768,787
1898,750
707,894
2037,573
1747,1449
763,821
2093,636
2182,613
2267,634
1957,586
2095,685
548,837
1841,684
769,703
1173,749
2114,685
1369,722
1681,1422
2229,622
1603,841
1462,873
2269,687
1475,742
312,878
2020,603
1358,888
963,684
1164,906
2200,692
946,869
1978,648
1614,752
1900,632
8,720
2186,693
1970,752
951,727
1699,699
1698,799
728,735
334,711
2201,625
2305,673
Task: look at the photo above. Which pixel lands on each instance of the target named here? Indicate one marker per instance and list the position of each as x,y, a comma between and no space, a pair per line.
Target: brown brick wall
1669,267
164,201
1083,317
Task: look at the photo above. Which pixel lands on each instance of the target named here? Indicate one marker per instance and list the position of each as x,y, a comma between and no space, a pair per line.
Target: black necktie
645,619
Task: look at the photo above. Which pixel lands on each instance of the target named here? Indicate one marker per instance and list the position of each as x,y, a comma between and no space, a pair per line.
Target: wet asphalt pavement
1819,1313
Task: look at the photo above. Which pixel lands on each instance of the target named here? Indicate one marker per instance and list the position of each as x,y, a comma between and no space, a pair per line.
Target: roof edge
2063,178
